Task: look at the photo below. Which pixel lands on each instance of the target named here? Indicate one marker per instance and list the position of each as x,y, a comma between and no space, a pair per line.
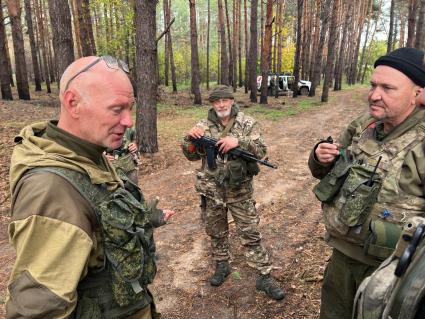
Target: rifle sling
228,127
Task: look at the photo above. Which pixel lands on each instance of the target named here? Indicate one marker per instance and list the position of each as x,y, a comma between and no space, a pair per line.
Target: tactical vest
370,207
119,288
397,288
233,176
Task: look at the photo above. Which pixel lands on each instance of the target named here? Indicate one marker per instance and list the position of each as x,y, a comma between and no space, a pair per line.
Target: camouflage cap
221,92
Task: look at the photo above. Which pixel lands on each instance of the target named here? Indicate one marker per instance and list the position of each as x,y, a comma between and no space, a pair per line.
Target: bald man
83,237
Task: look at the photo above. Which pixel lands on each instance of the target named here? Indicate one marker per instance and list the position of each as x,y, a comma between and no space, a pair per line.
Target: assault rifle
212,150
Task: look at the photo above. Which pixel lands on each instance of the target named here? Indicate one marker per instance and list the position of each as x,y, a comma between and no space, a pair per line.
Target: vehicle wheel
304,91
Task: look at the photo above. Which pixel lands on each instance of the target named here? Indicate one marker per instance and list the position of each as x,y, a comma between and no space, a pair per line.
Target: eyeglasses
110,61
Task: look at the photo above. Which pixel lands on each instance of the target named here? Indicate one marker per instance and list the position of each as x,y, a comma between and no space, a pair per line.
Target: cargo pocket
330,185
382,239
359,201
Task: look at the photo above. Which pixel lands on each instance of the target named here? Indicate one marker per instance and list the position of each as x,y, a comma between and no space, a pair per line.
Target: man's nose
127,119
375,94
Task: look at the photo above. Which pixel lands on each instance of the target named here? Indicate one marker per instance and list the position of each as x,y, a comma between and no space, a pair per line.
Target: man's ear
71,102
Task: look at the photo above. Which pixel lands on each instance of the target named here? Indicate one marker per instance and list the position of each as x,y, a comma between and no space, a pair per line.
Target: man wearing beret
229,187
372,178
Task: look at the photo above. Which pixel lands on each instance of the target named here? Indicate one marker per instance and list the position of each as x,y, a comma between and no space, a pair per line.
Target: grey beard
223,114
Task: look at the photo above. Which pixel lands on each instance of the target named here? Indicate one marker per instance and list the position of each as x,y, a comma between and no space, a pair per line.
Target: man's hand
168,213
326,152
196,132
109,156
132,147
227,143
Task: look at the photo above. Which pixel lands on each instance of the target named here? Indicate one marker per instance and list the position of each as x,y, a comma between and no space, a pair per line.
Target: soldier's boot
267,284
222,270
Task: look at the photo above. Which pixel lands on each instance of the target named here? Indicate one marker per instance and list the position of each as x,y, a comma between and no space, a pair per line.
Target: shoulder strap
94,194
228,127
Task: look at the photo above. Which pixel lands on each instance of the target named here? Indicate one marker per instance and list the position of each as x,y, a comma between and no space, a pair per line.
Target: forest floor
290,215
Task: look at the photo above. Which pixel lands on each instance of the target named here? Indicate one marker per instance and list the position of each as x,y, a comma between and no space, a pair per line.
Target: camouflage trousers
246,220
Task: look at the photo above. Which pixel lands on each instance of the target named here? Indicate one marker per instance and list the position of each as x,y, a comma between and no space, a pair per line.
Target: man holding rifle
225,184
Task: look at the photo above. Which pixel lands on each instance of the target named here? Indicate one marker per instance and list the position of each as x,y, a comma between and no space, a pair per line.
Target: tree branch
167,29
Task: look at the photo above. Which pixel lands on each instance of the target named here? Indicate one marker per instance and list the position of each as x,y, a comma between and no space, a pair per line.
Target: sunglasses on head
110,61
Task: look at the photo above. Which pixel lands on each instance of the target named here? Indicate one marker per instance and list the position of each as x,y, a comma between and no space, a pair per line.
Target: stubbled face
420,99
391,96
105,110
223,107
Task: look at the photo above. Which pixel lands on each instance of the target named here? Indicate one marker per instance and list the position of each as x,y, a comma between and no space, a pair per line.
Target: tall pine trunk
35,65
147,85
331,52
18,48
317,67
194,54
253,54
6,90
266,52
300,6
224,63
63,44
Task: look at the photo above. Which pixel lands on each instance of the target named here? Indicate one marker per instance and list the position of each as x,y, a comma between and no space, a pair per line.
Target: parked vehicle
286,84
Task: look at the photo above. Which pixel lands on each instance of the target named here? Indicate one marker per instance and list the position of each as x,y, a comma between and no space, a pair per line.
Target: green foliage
376,49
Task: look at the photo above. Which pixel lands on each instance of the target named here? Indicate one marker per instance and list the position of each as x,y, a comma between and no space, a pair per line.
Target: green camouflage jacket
248,132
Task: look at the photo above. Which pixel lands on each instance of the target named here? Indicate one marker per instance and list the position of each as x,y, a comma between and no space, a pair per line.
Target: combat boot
222,270
267,284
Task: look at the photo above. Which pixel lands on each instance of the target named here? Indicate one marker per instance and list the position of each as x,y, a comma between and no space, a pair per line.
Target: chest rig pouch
127,239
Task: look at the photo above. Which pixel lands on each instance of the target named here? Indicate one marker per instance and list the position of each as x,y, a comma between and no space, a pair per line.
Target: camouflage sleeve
51,233
253,141
412,177
320,170
189,149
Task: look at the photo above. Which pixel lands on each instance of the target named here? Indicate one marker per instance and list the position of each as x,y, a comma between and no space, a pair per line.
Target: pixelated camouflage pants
246,220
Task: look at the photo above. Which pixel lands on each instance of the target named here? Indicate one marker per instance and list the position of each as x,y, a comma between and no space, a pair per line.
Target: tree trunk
300,7
331,52
342,49
391,31
63,45
224,64
411,23
315,37
76,27
234,47
265,64
230,44
420,32
18,48
208,44
147,85
170,51
246,82
88,46
402,30
253,54
41,22
365,41
317,67
6,90
166,53
194,54
239,5
36,68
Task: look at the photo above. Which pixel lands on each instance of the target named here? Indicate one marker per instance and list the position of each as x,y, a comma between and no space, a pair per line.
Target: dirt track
290,224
